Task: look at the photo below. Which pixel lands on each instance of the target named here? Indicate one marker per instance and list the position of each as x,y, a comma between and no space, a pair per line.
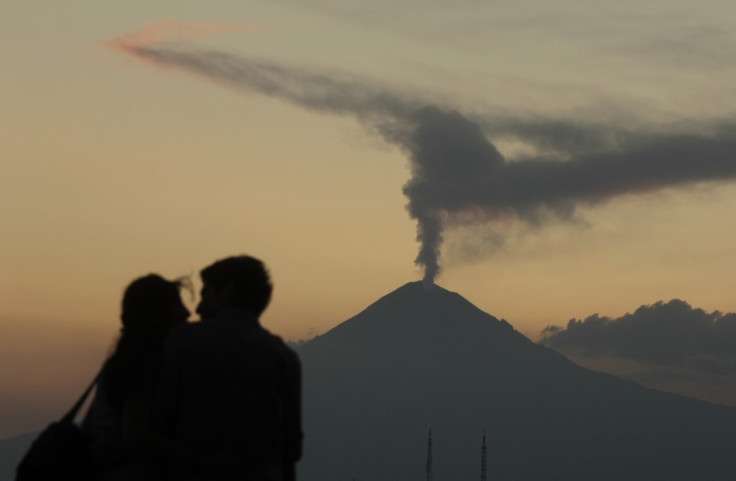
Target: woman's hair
148,296
132,362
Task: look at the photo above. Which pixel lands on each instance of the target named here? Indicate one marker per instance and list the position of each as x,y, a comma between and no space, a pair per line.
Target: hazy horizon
33,403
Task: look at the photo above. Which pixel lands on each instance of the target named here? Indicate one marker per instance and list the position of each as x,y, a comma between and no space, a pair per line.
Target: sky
559,159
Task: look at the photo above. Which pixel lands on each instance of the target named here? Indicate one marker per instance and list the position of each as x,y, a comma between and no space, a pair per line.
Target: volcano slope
421,359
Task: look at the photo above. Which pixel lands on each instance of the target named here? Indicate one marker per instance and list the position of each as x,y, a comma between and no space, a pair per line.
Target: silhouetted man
230,390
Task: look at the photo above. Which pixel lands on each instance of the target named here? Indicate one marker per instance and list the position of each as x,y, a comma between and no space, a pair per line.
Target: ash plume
457,174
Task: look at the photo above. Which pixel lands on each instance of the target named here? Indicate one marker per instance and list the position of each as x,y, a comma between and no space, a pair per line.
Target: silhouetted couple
218,399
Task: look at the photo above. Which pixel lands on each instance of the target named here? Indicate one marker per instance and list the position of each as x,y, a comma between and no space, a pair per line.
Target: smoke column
456,172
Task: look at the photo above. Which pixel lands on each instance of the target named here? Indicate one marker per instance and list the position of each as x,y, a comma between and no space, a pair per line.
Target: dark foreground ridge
417,359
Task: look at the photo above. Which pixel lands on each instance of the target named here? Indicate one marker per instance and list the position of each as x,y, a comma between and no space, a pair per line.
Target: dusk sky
590,167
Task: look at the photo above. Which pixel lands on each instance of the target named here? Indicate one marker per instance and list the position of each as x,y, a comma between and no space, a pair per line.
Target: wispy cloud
666,334
173,29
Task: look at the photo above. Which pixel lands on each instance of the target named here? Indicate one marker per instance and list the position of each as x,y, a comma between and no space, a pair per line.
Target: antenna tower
483,459
429,456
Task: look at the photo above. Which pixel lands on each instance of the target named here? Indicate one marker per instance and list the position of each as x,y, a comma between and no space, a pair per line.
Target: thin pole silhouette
429,456
483,459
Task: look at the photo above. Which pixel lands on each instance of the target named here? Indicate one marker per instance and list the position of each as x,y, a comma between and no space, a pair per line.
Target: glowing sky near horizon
112,169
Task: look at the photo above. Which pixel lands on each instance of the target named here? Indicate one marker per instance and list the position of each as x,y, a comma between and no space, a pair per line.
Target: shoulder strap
72,414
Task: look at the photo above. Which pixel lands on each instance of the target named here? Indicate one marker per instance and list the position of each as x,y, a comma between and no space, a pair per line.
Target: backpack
58,452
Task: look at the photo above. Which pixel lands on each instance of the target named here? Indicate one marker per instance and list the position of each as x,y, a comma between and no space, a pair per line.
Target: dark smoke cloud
666,334
457,172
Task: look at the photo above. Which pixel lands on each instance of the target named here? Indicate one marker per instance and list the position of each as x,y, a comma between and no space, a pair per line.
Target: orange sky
112,169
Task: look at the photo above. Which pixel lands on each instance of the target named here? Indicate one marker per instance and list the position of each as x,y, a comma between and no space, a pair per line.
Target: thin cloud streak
174,29
457,172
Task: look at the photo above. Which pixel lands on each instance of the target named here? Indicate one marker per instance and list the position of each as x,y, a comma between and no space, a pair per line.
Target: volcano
421,359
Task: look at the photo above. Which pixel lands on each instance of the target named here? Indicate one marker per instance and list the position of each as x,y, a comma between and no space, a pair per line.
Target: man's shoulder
273,338
283,348
274,343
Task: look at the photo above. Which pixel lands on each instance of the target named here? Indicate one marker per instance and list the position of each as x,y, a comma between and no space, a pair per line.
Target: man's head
239,281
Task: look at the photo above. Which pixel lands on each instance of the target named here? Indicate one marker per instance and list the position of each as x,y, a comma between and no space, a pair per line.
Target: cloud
458,176
173,29
665,334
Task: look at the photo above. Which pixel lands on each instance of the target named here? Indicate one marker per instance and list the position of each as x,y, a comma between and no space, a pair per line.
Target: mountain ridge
416,359
411,312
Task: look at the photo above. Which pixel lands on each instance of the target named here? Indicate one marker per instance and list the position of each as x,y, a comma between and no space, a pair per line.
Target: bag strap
72,414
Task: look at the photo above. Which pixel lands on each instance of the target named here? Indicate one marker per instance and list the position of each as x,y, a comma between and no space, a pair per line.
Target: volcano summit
418,359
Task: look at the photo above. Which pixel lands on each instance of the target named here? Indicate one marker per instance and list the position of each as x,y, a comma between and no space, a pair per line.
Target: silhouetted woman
124,444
